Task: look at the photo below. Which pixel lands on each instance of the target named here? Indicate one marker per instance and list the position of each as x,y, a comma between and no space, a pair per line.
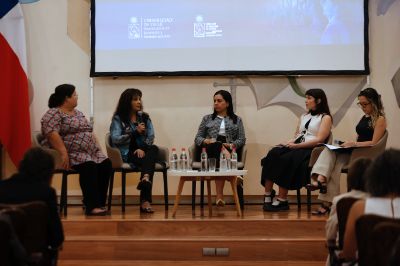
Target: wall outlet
224,252
208,251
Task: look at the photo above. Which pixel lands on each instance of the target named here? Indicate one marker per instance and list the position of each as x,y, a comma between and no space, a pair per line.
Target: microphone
139,117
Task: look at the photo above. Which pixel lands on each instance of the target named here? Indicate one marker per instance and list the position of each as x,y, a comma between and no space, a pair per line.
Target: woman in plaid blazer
220,131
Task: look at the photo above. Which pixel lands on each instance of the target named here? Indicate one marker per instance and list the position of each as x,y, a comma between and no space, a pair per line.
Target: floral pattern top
77,134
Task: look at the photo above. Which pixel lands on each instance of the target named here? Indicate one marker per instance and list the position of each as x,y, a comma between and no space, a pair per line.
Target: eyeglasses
363,104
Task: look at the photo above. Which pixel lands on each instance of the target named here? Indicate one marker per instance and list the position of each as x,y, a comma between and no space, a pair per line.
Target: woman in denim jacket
133,134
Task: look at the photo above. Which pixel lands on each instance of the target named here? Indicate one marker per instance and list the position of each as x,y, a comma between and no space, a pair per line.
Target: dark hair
382,177
60,93
228,98
356,174
322,105
124,107
37,164
375,99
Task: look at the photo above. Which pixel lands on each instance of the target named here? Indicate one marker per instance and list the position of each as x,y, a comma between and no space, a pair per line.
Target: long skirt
288,168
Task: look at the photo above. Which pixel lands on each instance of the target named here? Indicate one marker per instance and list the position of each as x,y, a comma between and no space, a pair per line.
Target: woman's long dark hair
375,99
322,104
228,98
61,92
124,107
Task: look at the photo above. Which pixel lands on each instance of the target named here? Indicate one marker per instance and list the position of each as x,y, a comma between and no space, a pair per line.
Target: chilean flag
15,130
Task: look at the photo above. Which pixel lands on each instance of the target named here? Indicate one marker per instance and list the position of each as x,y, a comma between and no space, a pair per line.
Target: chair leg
62,193
193,195
165,179
298,199
64,189
308,200
202,194
110,190
123,187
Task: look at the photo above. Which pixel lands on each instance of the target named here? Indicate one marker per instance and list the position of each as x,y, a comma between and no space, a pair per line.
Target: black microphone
139,117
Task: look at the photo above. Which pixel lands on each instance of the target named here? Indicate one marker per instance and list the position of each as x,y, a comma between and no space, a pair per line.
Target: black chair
367,233
30,222
196,165
119,166
37,139
343,207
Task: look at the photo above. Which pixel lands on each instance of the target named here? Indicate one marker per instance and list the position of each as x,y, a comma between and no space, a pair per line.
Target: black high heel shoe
320,185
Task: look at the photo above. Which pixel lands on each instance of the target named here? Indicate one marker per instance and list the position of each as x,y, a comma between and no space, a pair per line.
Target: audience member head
317,101
129,101
223,103
63,93
37,165
382,177
356,174
371,103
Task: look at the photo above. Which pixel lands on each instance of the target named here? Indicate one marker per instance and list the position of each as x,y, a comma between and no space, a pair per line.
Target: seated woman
287,164
32,183
325,174
356,187
383,184
68,131
133,134
220,132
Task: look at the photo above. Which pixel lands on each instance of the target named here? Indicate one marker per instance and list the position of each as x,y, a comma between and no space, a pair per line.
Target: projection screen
229,37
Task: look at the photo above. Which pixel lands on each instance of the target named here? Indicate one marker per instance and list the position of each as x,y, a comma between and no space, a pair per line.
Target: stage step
184,263
254,237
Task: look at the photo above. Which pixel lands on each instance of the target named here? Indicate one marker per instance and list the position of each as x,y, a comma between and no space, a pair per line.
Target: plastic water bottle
234,159
204,160
184,160
223,163
174,160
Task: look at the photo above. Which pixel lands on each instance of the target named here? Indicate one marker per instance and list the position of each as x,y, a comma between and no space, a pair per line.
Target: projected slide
139,36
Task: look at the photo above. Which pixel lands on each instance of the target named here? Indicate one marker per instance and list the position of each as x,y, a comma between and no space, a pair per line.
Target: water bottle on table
204,160
174,160
234,159
184,160
223,163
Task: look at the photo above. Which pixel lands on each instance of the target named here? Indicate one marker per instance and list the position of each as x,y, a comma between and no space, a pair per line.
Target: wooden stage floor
257,238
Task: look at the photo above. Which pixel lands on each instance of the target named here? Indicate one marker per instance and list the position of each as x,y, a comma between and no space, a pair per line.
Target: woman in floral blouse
68,131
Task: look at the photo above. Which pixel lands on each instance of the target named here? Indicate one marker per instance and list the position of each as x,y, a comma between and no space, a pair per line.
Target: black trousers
94,179
147,166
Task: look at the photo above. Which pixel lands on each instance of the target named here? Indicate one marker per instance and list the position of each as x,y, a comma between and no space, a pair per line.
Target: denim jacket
121,134
209,129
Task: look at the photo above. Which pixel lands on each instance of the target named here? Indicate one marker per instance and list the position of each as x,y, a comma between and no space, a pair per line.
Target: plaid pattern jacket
209,128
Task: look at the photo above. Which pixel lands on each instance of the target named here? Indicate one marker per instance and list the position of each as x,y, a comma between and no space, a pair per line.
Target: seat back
5,238
37,139
113,153
317,151
384,237
343,207
30,222
12,229
368,152
366,246
163,155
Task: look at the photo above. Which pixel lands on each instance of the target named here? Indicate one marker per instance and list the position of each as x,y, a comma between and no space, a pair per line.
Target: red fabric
14,104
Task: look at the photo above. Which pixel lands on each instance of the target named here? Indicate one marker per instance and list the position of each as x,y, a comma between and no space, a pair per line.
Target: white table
208,176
